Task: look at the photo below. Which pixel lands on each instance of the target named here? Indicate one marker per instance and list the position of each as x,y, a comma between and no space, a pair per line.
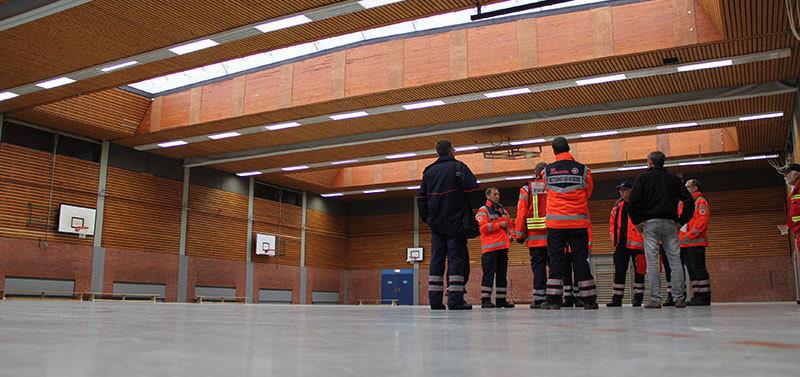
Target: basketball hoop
82,231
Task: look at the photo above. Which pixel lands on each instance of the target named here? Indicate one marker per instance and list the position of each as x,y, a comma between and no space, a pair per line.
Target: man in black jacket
446,199
654,210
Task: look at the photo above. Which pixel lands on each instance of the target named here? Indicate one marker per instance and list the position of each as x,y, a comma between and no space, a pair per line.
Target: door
397,285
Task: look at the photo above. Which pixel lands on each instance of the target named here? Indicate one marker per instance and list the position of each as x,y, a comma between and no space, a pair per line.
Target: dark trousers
622,259
539,261
570,289
452,249
668,269
495,272
578,241
695,258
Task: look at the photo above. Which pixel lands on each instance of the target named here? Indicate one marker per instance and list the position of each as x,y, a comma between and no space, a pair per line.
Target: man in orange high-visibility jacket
628,245
694,240
792,177
530,229
495,225
569,186
571,292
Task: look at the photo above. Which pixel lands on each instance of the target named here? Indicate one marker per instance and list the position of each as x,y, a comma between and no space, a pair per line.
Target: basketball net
82,231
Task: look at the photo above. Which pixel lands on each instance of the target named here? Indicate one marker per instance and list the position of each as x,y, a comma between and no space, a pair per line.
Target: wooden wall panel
142,212
379,241
25,179
326,240
217,224
282,220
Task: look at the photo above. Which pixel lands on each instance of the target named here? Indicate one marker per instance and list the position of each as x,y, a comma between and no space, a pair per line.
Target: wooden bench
392,302
220,299
96,296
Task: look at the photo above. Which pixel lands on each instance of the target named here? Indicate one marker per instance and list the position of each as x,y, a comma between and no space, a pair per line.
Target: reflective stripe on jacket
493,235
634,239
569,186
531,212
694,233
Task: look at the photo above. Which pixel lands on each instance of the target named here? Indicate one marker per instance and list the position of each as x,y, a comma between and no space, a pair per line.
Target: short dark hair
444,147
539,167
658,158
560,145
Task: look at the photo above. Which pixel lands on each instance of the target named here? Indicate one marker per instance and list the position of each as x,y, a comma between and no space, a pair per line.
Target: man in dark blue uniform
447,198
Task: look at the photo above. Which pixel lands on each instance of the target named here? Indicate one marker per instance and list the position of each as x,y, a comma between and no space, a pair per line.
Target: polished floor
121,339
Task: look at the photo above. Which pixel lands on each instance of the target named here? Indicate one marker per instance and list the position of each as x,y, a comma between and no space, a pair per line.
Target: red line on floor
675,335
755,343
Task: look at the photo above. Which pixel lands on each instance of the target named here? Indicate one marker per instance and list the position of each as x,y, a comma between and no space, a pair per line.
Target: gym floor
55,338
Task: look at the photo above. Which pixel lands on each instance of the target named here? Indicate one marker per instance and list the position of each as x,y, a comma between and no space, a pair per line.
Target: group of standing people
658,217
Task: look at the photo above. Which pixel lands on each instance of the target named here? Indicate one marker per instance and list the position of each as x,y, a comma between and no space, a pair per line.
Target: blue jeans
664,232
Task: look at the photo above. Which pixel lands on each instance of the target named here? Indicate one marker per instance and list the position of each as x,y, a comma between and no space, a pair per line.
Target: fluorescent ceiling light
600,80
422,105
342,40
282,126
357,114
529,141
119,66
401,155
172,144
343,162
412,188
248,174
761,116
602,133
695,67
478,181
7,95
367,4
55,82
676,125
374,191
194,46
386,31
706,162
331,194
224,135
516,178
283,24
626,168
510,92
467,148
761,157
293,168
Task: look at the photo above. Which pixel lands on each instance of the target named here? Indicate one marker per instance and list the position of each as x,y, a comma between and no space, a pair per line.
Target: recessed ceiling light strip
537,88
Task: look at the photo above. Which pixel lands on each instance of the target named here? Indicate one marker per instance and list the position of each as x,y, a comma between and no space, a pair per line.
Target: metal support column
303,271
250,200
183,261
416,244
98,252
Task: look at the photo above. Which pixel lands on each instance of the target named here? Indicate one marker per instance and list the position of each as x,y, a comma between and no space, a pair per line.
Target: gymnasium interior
208,188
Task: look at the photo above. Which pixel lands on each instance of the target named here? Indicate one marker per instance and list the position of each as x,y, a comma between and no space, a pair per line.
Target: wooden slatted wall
217,224
25,179
282,220
379,241
142,212
326,240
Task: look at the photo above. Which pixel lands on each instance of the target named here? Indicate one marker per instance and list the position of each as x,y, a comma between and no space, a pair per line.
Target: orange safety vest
569,186
794,211
493,237
634,240
531,214
694,233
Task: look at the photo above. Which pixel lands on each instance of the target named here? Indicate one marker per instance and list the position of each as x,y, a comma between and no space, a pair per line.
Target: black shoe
637,299
637,304
670,301
487,305
438,307
568,302
590,306
616,302
697,302
460,306
502,303
578,303
550,306
536,305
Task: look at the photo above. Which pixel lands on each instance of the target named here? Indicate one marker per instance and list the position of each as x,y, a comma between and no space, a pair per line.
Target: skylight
217,70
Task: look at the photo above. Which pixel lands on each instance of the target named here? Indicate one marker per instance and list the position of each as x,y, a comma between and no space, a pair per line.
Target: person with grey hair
654,210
